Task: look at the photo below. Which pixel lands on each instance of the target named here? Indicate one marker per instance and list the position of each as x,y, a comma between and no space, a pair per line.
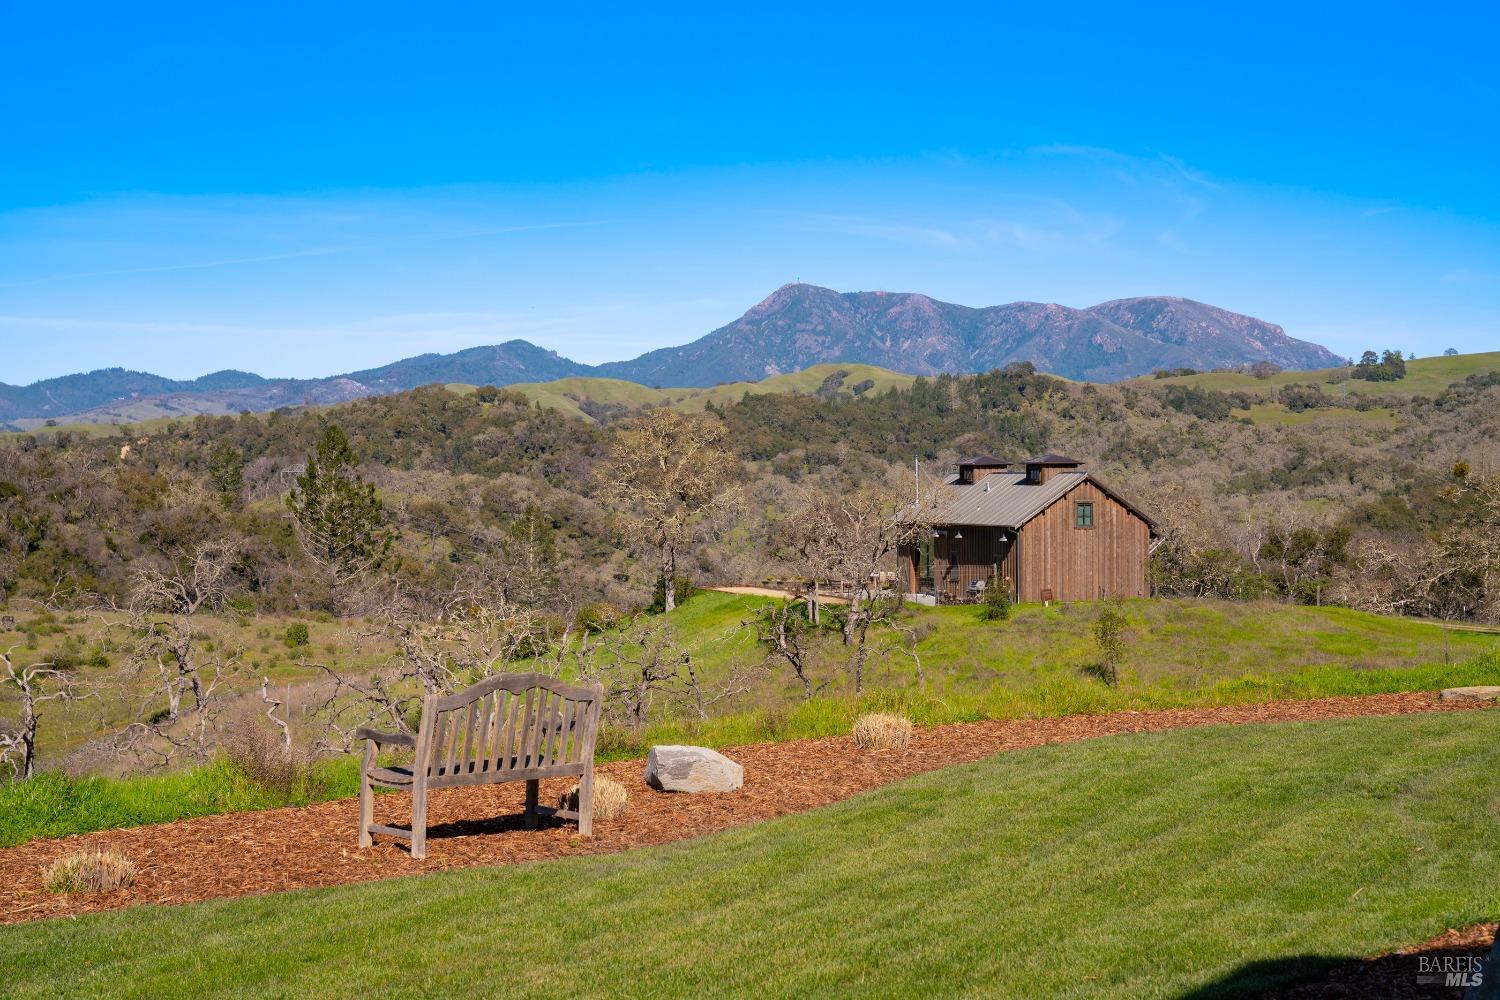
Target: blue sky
301,191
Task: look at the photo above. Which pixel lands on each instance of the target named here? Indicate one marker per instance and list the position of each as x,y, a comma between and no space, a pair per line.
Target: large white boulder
1480,692
692,769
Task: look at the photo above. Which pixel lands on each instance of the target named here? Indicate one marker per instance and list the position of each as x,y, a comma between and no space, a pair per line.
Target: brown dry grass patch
610,798
98,870
880,731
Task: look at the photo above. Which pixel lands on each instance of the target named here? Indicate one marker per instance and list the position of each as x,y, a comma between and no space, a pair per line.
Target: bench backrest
506,724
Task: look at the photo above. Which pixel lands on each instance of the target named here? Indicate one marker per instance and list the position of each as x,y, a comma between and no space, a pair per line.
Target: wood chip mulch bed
245,853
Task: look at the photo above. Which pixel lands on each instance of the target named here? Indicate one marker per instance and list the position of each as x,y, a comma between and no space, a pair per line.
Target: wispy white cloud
1468,275
373,245
900,232
1189,174
191,266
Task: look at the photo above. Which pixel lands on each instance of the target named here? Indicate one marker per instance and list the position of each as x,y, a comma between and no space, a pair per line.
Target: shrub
260,757
610,798
296,635
598,617
879,731
996,607
682,589
91,871
1109,633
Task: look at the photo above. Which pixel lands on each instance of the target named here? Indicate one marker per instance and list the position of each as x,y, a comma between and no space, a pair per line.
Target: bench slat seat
510,727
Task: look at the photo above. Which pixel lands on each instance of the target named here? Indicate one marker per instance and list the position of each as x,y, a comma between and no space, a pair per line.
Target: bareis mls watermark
1450,970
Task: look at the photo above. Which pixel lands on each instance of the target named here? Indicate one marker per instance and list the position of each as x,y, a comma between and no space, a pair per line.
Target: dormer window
1033,473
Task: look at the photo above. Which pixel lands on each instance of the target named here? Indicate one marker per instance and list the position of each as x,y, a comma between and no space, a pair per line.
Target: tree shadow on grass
1329,977
1098,672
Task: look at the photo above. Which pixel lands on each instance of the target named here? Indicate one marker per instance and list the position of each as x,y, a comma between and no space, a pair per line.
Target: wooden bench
510,727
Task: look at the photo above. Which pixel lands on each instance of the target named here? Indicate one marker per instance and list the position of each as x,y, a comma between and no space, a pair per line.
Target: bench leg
586,804
366,796
419,818
533,789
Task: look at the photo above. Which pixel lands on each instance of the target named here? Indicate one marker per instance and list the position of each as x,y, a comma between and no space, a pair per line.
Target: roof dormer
1039,470
972,470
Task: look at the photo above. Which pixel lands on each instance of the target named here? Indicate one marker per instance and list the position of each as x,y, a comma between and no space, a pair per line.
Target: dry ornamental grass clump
91,871
879,731
610,798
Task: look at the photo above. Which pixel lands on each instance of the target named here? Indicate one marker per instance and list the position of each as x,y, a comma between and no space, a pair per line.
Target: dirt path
770,592
239,854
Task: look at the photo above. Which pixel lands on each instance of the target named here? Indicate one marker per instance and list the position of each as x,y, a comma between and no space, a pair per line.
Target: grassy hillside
574,396
1268,414
1100,868
1179,652
1184,643
1424,377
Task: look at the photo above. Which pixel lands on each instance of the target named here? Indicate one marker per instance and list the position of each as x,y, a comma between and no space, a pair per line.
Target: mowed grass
1225,859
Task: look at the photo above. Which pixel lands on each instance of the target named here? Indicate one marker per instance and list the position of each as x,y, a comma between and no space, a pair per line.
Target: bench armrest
389,739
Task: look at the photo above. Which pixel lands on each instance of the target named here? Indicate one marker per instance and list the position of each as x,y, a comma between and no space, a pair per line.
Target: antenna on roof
916,464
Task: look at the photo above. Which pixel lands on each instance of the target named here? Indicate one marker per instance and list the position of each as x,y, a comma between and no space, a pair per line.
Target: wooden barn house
1047,530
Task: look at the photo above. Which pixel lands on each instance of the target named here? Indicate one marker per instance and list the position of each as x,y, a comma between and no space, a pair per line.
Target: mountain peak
795,327
800,325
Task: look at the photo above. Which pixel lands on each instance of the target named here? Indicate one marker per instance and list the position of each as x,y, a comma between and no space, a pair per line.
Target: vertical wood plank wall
1084,564
1077,564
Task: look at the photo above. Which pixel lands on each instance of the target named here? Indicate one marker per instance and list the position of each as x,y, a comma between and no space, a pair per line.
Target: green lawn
1230,859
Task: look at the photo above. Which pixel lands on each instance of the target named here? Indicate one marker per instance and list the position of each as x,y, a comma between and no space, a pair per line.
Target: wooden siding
1084,564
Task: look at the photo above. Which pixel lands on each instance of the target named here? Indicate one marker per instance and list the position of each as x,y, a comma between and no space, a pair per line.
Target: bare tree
789,637
184,671
1454,575
272,704
637,666
643,664
470,638
852,535
667,472
34,686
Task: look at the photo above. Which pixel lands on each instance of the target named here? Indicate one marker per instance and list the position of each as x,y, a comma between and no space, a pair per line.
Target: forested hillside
1355,499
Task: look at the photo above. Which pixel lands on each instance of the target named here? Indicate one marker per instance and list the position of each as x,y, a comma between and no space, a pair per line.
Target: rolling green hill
586,397
1424,377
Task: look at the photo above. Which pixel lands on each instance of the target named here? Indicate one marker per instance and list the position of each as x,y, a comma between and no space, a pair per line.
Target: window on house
1083,515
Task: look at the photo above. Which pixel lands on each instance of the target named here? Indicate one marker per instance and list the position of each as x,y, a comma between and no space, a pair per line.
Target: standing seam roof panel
1008,503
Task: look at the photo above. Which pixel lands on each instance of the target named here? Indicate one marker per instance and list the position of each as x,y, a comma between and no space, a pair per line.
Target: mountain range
795,327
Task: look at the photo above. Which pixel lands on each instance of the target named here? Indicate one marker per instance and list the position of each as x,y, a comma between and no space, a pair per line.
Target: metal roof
1053,458
985,461
1004,499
